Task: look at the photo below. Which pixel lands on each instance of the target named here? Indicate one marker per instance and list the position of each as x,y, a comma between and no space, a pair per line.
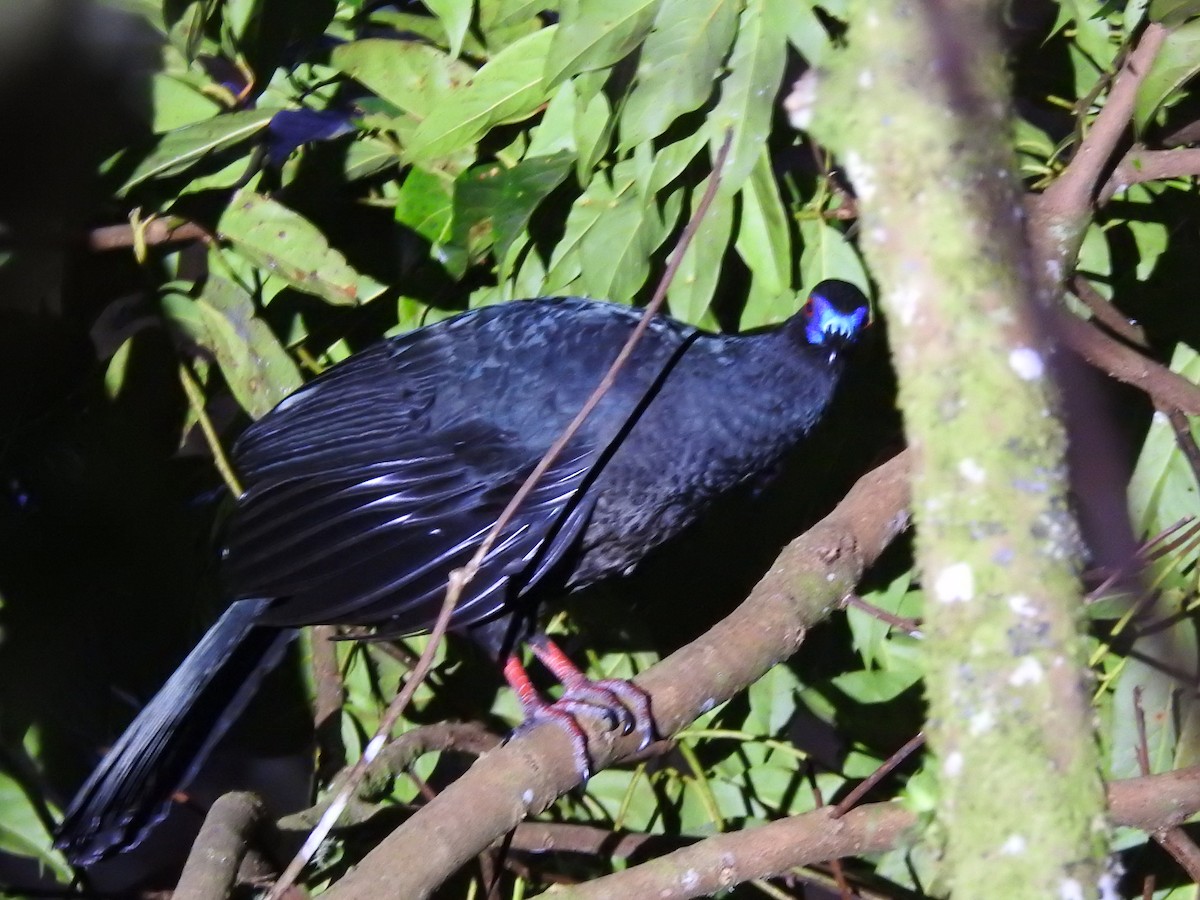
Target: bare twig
159,231
1059,216
1106,314
1174,840
908,626
1078,183
1185,441
851,800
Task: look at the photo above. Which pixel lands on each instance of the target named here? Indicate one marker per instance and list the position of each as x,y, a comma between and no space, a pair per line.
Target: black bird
366,487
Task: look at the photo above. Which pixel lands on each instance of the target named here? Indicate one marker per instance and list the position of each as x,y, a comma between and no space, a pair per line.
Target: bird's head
834,315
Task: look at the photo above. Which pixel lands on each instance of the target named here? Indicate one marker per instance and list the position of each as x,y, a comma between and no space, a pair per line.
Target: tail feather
161,750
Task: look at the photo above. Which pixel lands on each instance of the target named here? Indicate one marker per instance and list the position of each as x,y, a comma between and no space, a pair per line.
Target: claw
620,703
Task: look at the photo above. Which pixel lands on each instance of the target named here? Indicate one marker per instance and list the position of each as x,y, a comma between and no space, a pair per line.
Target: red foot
621,703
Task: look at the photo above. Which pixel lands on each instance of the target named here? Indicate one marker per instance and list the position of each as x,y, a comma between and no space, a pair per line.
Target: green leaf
747,102
806,33
368,157
284,243
509,12
1163,488
616,251
117,369
426,205
869,633
593,34
177,104
678,65
691,293
772,701
22,831
412,76
502,201
877,685
455,16
1176,63
764,244
508,88
1164,701
256,367
828,254
182,148
1173,13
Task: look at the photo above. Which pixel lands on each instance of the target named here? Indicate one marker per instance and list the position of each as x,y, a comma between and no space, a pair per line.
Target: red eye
808,309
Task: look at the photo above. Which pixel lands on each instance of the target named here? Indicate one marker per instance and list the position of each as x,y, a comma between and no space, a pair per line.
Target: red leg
625,703
538,710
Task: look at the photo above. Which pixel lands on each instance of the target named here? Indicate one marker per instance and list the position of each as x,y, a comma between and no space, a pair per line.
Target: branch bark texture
918,109
528,773
718,863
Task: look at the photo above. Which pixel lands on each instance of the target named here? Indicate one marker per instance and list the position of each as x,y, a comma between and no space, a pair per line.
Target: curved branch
1150,803
212,866
1165,388
1059,216
528,773
1140,165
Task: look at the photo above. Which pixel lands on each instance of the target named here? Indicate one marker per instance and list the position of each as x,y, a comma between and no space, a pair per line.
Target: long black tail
164,746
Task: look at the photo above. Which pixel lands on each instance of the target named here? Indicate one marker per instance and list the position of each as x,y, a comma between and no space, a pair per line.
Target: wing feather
375,544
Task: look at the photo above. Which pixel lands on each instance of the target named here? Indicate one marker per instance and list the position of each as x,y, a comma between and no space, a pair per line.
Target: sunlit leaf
1175,64
691,292
764,245
1173,13
597,33
284,243
678,65
455,16
748,93
178,150
410,75
256,367
508,88
503,200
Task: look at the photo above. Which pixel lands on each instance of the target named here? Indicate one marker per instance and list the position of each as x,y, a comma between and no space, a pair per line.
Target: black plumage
368,485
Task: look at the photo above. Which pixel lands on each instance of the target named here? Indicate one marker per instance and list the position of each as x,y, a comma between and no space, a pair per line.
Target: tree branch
1140,165
528,773
1165,388
1010,719
212,866
1152,803
1060,215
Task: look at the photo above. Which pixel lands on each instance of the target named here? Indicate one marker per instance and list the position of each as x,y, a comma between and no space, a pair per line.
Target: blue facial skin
825,322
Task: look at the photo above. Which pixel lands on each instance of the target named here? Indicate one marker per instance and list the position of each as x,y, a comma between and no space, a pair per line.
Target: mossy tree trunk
917,108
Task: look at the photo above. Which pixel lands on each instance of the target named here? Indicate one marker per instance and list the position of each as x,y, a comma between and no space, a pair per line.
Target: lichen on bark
917,108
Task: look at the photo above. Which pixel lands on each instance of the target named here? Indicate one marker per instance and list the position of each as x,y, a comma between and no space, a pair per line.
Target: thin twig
1185,441
908,626
459,578
835,865
157,231
1107,314
851,799
196,400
